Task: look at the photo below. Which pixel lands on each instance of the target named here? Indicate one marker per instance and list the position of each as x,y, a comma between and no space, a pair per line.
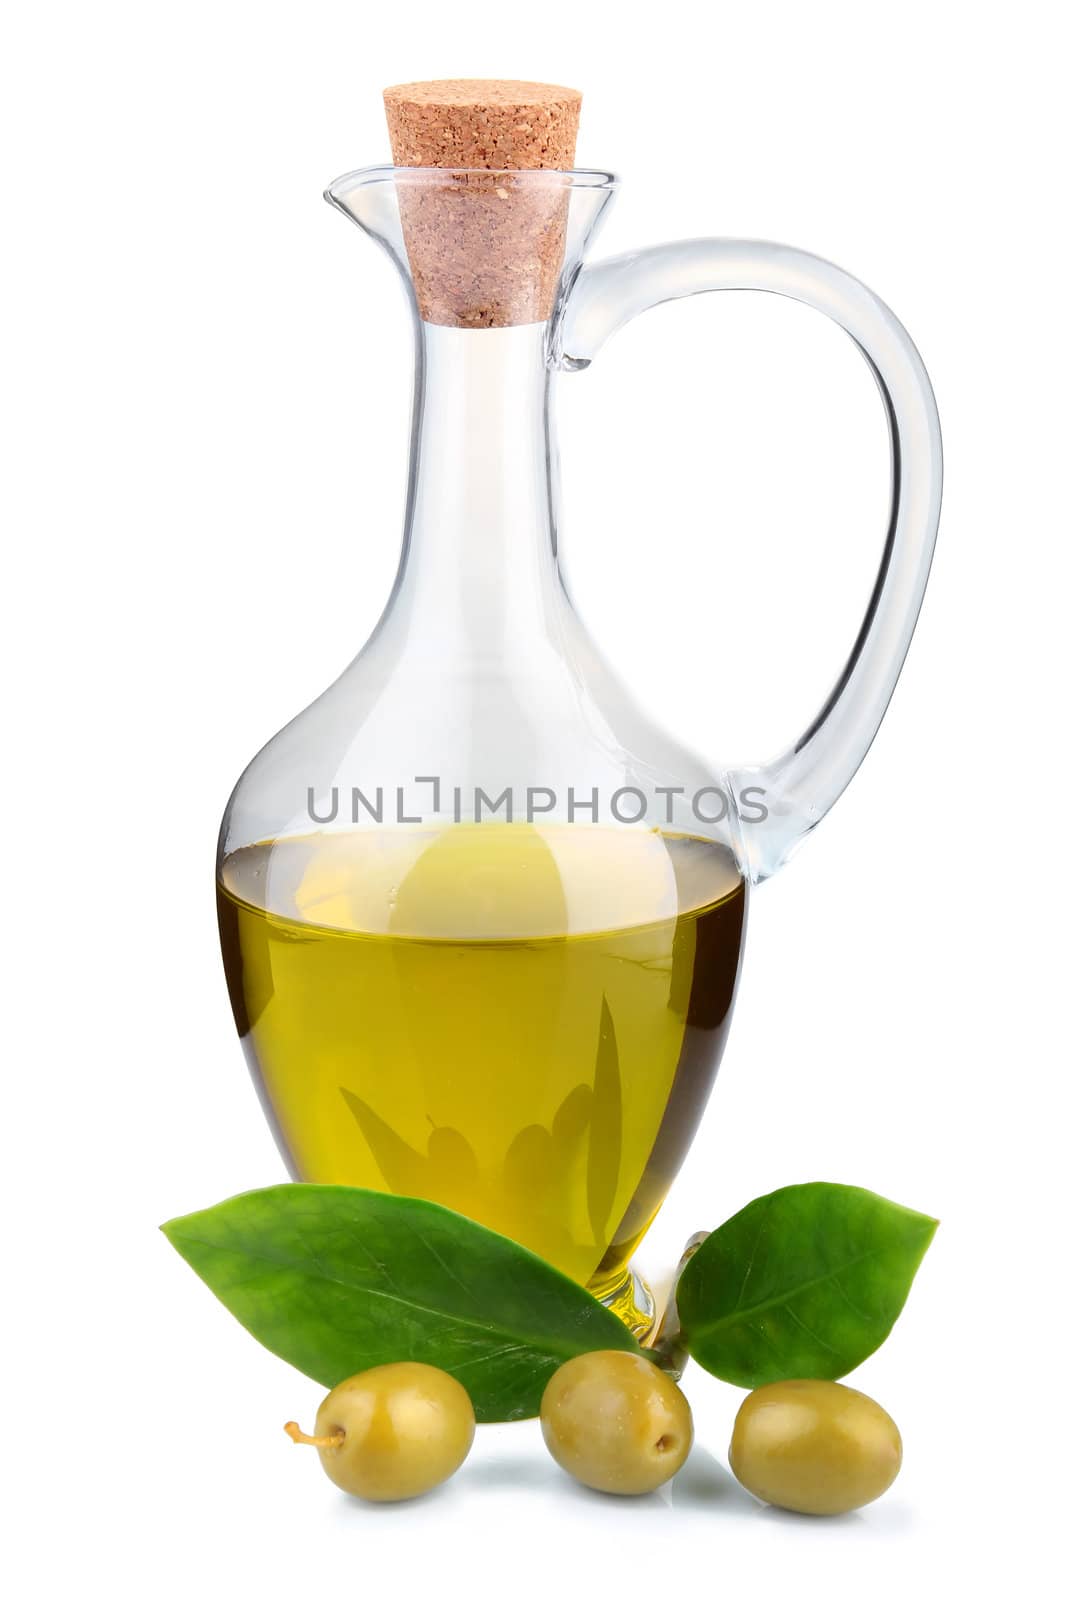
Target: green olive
813,1446
616,1422
393,1432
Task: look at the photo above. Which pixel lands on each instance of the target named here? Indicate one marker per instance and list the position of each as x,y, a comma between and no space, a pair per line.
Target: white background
205,378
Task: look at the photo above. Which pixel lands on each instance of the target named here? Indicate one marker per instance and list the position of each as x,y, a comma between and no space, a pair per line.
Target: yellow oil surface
519,1022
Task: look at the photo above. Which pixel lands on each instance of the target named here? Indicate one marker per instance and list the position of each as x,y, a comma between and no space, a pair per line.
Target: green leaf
336,1280
803,1283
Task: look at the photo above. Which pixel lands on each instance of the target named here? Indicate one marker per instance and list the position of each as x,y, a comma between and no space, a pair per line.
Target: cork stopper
484,233
483,122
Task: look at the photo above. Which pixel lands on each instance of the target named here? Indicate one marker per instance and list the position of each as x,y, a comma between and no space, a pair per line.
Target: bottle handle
801,784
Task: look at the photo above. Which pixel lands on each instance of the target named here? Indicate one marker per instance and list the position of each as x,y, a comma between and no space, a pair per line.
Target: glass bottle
482,921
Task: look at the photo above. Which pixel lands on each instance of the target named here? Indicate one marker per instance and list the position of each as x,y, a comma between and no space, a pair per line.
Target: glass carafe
482,921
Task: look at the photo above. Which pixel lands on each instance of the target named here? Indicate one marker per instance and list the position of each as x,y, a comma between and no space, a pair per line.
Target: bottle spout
369,197
478,248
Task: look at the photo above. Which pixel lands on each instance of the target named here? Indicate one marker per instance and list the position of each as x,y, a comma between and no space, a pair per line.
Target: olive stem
668,1348
329,1441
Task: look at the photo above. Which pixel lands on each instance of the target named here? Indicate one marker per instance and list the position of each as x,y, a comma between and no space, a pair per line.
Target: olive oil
520,1022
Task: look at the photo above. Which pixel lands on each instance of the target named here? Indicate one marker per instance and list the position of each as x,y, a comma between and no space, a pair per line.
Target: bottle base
631,1301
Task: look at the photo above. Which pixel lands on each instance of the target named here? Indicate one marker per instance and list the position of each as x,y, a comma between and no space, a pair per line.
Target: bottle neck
479,562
